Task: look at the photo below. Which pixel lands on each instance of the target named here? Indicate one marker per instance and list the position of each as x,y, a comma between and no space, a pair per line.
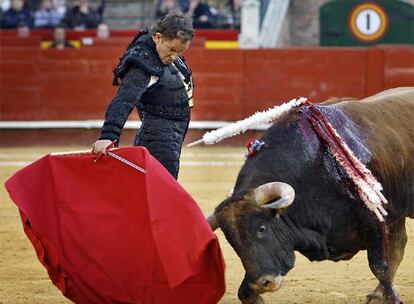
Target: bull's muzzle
267,283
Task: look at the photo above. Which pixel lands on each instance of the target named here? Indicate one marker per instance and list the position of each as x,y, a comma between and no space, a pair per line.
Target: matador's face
169,49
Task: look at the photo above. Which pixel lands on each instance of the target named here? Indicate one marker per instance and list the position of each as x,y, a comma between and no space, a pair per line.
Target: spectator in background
81,16
23,30
165,7
1,16
100,10
47,15
232,12
59,39
4,5
102,31
184,5
31,5
60,6
181,5
203,15
17,14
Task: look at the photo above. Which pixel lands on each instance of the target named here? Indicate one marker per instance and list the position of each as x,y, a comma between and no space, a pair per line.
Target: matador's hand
102,146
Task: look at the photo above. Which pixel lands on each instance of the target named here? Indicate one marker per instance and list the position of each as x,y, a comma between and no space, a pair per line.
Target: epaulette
139,56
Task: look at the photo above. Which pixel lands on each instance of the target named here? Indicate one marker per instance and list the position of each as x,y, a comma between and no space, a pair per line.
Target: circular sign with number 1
368,22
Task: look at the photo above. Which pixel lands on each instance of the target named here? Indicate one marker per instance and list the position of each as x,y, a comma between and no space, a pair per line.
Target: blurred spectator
203,15
235,4
17,14
160,10
4,5
23,30
60,6
100,10
47,15
59,39
1,16
81,16
184,5
102,31
233,13
165,7
32,5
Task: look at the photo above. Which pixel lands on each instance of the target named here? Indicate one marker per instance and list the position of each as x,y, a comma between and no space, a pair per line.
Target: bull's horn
212,220
267,193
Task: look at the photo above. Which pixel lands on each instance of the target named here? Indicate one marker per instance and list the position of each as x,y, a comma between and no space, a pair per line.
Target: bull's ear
277,207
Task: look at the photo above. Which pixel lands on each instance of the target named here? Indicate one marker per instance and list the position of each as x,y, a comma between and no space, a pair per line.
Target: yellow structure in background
222,45
47,44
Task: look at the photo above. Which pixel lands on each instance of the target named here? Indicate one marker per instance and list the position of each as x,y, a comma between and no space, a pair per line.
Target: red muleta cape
108,233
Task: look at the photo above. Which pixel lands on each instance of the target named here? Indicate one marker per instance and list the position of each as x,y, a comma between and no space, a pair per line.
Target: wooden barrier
56,84
275,76
75,84
234,84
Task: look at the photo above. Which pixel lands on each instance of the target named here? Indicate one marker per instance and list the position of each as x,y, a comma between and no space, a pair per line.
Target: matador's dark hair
174,25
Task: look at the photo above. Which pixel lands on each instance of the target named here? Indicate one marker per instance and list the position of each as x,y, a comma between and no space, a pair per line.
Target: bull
293,196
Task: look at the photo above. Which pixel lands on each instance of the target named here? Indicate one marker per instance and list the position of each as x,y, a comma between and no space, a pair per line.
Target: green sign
362,23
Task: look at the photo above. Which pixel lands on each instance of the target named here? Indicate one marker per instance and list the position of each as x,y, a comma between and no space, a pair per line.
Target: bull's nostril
267,283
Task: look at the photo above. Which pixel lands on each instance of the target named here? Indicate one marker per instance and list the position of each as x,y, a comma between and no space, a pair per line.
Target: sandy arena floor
207,174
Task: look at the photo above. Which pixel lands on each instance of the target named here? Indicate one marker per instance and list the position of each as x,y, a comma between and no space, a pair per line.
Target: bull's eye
261,231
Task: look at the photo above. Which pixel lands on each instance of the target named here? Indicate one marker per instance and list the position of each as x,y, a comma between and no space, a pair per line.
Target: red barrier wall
75,84
232,84
316,73
56,85
219,83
